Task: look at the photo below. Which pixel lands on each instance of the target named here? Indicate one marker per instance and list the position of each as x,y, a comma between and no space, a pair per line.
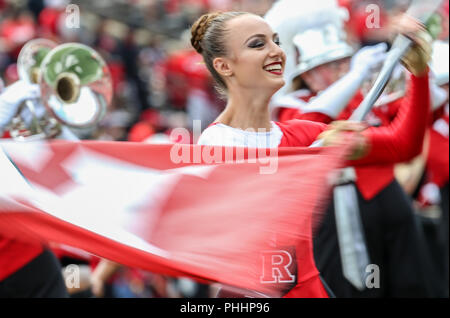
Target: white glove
368,59
12,97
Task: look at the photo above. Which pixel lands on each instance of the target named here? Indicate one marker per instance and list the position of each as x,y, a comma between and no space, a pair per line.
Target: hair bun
199,29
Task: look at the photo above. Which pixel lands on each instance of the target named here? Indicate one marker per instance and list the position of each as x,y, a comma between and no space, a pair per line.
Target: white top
223,135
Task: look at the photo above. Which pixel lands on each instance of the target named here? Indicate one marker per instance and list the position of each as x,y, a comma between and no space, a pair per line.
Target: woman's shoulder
292,133
300,133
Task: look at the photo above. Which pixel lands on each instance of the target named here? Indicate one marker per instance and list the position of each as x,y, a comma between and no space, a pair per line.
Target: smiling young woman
245,58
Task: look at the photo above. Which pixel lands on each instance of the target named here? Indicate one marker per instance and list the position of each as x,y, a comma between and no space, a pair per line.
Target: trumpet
75,85
2,85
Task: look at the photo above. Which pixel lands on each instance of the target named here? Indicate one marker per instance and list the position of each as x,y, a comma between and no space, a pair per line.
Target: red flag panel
134,204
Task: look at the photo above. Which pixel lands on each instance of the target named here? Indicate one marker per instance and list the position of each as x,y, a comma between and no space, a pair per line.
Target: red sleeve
402,140
286,114
300,133
317,117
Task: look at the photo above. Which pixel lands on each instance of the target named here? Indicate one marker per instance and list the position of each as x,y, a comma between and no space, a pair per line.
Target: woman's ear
222,67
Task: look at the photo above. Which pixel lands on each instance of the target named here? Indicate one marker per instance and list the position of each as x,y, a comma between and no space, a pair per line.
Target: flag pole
399,48
352,246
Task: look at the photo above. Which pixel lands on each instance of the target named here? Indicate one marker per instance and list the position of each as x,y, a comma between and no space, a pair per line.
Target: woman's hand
344,131
12,97
104,270
97,286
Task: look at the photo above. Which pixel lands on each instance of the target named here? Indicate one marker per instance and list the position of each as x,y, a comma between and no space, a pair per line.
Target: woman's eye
256,44
277,42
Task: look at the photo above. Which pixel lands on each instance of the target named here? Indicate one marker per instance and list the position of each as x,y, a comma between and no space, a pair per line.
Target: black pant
41,277
394,241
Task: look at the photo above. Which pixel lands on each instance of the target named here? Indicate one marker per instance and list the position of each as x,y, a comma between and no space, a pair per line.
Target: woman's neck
246,111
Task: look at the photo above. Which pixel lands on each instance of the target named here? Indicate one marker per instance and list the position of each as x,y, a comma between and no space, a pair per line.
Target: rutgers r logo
276,267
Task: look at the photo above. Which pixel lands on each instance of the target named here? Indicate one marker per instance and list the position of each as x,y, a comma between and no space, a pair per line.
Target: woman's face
255,59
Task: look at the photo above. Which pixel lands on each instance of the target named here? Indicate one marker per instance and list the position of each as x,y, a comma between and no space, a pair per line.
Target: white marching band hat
319,46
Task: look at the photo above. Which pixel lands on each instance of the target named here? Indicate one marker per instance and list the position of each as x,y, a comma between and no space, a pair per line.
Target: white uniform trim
291,100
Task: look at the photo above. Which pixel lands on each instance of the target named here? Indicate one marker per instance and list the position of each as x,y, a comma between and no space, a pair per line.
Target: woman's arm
104,270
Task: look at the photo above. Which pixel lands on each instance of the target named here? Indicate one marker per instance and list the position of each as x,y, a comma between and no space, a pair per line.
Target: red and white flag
134,204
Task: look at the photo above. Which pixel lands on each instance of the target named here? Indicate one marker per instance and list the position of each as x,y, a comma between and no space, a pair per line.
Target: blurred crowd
159,82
